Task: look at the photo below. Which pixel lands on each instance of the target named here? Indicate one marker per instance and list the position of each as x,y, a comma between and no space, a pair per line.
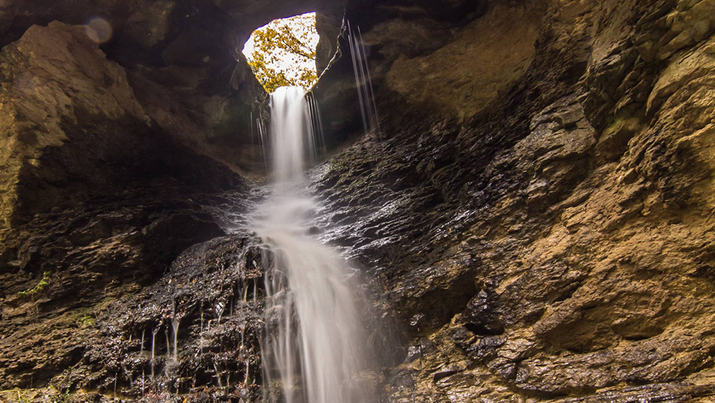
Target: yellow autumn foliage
282,53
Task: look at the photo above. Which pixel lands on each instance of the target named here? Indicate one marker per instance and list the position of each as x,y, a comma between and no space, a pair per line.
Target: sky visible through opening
283,52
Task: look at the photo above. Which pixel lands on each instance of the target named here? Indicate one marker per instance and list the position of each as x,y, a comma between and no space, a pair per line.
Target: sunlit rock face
558,246
37,108
477,63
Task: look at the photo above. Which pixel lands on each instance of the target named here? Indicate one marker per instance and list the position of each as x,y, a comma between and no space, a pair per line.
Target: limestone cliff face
557,246
535,216
54,77
91,191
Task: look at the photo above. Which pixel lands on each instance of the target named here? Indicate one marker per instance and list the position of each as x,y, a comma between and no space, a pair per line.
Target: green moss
40,287
62,398
87,321
21,398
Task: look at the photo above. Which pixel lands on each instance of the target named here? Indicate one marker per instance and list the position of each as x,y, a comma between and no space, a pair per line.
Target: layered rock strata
557,246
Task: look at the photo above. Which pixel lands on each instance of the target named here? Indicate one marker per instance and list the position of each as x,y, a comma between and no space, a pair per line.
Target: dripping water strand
258,130
363,81
261,128
316,122
253,135
153,347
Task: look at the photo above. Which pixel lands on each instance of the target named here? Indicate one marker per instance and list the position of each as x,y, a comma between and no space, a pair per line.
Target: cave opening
283,52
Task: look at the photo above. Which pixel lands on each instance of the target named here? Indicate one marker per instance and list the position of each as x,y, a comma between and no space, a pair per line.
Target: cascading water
313,350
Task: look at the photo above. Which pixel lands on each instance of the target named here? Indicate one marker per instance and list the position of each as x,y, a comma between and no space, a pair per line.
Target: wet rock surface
555,247
90,257
98,202
210,297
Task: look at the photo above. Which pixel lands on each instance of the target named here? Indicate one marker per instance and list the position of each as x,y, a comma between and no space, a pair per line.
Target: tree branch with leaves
284,53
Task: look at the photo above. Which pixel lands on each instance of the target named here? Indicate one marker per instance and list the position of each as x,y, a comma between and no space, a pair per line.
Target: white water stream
313,350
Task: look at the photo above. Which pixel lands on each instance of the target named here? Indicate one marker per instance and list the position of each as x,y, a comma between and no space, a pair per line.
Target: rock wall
97,201
54,77
558,245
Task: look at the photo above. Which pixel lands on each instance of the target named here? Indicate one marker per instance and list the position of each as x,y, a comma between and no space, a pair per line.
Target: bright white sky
303,26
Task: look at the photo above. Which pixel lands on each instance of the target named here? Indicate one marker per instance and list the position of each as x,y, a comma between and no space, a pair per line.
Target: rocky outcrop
462,77
54,77
73,127
555,248
97,202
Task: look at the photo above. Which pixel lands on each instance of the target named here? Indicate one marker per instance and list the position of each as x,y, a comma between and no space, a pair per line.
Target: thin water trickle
261,138
363,81
168,344
314,344
316,123
175,331
153,346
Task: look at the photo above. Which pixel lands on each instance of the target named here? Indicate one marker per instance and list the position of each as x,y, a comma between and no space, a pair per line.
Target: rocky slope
534,219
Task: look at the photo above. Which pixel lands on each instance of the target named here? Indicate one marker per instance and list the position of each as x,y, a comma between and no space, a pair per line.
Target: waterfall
291,135
313,346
